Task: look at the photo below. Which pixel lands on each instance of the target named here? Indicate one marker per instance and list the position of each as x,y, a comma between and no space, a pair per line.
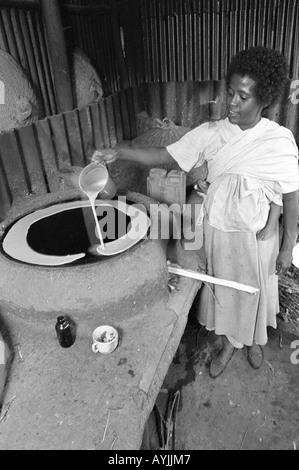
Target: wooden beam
58,54
121,62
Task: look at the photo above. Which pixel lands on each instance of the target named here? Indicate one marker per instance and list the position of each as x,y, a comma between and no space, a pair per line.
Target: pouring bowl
95,178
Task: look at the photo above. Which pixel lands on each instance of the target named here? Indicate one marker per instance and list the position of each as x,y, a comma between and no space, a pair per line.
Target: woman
252,163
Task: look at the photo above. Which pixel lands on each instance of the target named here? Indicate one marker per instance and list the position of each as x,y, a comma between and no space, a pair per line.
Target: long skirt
240,257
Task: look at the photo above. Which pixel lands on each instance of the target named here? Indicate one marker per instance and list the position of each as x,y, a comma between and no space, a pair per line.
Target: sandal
217,366
255,356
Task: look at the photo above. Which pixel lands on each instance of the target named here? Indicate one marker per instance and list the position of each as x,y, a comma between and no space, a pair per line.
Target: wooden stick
58,54
212,280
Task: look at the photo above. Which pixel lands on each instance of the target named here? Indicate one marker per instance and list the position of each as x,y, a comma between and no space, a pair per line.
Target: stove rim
75,264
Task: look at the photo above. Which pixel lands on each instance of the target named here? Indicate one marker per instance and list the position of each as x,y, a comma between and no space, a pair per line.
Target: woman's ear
265,109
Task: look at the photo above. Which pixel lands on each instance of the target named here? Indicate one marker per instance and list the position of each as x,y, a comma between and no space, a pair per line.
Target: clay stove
50,269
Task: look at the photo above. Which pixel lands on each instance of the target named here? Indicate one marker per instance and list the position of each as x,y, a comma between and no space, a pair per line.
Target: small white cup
105,339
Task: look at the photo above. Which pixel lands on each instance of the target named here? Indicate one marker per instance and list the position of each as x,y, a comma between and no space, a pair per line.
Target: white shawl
266,152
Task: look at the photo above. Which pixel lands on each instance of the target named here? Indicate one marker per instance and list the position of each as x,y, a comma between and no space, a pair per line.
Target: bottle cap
176,173
158,173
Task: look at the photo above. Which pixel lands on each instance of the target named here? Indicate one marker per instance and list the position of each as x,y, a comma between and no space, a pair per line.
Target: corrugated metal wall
158,40
31,156
89,25
22,35
184,40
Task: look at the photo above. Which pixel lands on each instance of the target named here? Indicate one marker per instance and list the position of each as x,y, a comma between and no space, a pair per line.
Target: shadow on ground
243,409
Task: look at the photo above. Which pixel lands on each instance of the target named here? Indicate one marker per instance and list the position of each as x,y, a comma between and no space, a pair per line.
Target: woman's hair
267,67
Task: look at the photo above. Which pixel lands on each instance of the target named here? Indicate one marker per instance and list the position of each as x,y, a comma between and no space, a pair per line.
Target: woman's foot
219,363
255,356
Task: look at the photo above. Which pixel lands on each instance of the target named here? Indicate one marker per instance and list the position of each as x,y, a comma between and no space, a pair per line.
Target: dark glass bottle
64,332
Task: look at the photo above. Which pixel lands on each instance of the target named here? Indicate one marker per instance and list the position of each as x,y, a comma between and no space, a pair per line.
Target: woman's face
243,108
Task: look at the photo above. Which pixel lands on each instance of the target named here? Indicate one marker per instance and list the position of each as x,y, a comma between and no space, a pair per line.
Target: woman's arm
145,156
290,232
271,225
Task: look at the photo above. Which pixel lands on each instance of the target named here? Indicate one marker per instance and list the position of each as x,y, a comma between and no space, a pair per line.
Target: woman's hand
284,261
267,232
290,232
104,156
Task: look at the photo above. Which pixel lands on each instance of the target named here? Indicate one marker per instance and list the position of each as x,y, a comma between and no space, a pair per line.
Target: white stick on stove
212,280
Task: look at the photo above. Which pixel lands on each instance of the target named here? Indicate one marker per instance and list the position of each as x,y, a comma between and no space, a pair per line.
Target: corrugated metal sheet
90,25
163,40
181,40
22,36
31,156
195,39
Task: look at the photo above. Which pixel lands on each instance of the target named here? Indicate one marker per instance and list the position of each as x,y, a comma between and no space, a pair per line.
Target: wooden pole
121,62
58,54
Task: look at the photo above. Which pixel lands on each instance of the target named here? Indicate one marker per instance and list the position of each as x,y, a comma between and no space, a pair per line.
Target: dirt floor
243,409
